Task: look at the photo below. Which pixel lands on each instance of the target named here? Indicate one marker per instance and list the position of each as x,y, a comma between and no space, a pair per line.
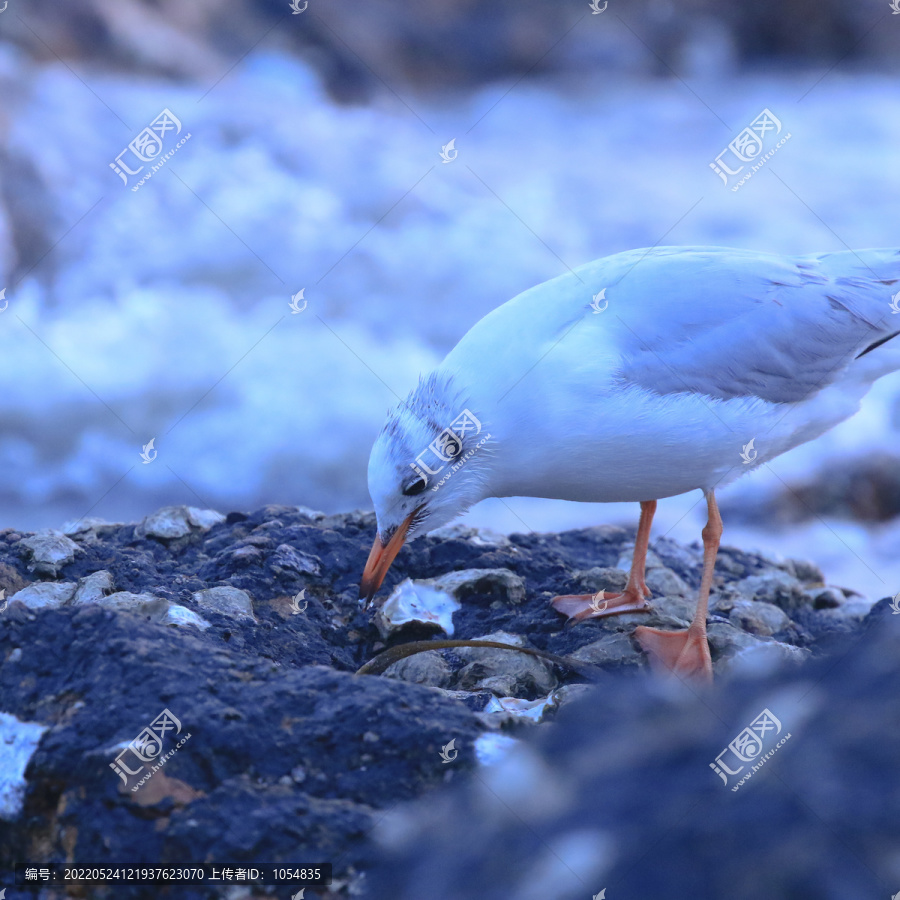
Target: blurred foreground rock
621,795
246,630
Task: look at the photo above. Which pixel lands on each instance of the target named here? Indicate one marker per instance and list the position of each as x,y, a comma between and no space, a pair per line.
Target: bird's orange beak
380,559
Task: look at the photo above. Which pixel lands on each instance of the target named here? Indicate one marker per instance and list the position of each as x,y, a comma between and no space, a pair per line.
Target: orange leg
686,653
590,606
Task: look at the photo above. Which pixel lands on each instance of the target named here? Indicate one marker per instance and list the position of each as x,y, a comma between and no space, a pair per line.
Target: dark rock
504,672
290,754
576,807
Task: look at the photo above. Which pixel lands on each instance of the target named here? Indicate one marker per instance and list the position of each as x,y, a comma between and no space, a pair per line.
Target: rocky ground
247,629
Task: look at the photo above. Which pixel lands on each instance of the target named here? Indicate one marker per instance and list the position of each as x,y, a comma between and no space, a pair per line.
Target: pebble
227,600
49,551
429,668
612,651
182,616
173,522
504,673
126,600
45,594
18,742
94,587
759,617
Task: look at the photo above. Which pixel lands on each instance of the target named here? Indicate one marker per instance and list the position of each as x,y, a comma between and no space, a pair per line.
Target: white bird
701,350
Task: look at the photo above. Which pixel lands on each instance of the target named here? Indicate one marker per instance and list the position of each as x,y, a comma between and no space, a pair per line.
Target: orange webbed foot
579,607
682,653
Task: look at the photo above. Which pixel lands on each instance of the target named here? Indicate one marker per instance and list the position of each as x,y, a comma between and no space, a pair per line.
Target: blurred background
307,157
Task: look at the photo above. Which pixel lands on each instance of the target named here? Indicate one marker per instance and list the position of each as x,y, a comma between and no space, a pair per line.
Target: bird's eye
415,487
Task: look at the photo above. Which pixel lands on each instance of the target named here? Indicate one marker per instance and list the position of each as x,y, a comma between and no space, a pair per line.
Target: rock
18,741
45,594
172,522
612,651
482,537
92,588
598,578
492,748
664,581
777,587
229,601
481,585
285,756
759,618
476,701
502,710
504,672
676,608
853,608
10,580
314,514
653,561
761,660
49,552
126,600
87,526
826,598
423,668
287,557
182,616
254,721
735,651
725,639
805,571
572,693
203,518
629,769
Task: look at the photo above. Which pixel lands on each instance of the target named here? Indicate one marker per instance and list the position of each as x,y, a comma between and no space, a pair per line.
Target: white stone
182,616
18,741
50,551
45,594
229,601
94,587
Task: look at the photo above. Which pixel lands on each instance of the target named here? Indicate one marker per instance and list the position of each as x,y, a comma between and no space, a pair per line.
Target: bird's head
427,466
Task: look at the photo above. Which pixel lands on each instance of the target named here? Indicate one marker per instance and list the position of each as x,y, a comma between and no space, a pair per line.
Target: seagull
699,352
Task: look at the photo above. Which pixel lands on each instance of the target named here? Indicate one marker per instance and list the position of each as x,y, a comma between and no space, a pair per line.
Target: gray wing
733,324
